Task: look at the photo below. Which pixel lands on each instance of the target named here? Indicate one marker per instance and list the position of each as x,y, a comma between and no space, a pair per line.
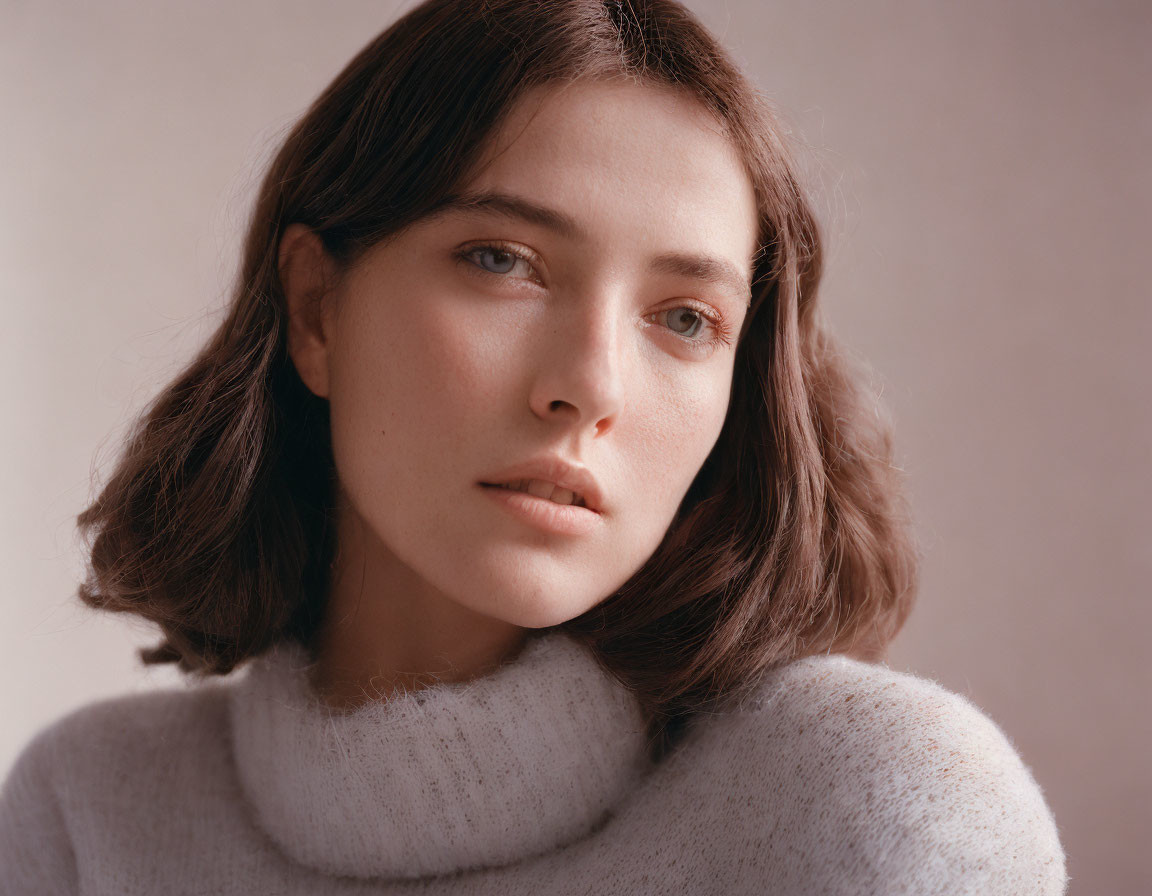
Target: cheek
409,381
678,432
394,353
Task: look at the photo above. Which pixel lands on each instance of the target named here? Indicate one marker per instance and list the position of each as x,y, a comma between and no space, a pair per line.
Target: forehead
622,158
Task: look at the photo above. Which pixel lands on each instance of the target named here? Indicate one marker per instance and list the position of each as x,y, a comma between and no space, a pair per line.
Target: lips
548,490
553,478
542,514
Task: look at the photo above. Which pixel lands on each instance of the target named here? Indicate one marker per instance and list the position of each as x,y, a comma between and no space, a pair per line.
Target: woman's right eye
500,261
496,260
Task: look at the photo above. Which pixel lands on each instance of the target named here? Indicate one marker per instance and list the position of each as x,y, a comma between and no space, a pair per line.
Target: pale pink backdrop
983,172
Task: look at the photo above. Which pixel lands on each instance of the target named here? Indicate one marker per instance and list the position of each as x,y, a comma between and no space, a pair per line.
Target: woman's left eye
687,322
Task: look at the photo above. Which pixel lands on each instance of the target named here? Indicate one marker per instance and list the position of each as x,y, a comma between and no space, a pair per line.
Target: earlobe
307,277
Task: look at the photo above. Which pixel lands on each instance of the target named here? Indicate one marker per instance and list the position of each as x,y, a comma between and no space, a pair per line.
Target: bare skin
371,648
601,332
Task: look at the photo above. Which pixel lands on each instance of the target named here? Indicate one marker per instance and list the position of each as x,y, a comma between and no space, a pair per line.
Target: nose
580,369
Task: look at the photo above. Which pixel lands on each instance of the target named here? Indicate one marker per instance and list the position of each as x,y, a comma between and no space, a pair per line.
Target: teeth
548,490
540,488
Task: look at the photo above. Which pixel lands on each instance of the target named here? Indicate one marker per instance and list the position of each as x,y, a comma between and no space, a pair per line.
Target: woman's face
580,308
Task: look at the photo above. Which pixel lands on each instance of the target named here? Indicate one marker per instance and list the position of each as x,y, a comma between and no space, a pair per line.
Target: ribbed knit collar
526,759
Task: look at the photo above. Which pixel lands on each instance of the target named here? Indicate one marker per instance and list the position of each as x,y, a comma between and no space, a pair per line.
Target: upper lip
557,471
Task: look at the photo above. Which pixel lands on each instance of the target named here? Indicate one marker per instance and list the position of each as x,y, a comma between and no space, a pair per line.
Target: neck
387,629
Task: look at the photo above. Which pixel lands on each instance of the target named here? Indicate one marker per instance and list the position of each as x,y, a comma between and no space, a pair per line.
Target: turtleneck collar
457,776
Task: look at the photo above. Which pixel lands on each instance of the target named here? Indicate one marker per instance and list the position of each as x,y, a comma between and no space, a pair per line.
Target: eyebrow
707,268
514,207
717,271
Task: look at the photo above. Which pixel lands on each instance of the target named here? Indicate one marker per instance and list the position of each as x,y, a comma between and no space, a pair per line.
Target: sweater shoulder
78,784
911,787
834,702
127,731
836,705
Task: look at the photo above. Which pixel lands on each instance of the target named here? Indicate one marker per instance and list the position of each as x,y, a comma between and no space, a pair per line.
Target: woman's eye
496,260
499,261
686,322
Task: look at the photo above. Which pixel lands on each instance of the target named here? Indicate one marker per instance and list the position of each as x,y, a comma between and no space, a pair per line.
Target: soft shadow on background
983,172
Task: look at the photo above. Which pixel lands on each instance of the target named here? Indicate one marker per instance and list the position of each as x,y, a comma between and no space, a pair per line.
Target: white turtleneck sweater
840,777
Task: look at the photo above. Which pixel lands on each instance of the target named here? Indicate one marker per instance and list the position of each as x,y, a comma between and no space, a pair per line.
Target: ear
308,276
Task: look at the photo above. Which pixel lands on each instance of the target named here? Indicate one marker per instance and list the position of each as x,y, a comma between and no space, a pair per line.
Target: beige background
984,172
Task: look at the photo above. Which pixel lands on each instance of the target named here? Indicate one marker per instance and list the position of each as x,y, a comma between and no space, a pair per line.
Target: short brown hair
793,539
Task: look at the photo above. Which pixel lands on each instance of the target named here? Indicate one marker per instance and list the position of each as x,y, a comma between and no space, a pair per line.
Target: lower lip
563,519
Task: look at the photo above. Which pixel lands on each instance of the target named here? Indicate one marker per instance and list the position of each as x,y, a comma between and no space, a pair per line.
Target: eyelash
723,334
466,255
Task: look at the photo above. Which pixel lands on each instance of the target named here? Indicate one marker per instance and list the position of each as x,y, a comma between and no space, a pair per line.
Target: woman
556,532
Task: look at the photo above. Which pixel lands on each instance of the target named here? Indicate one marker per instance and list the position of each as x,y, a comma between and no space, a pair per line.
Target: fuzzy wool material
838,777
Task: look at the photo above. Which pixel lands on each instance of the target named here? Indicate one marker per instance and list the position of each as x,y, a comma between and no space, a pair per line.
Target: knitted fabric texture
471,777
839,777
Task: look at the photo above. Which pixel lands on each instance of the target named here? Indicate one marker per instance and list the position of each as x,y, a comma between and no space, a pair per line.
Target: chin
541,607
545,616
